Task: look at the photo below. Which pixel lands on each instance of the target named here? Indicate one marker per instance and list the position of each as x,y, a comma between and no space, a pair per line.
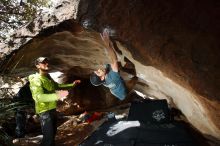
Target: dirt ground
71,131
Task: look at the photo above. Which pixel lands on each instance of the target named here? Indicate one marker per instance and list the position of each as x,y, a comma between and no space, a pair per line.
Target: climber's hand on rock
105,37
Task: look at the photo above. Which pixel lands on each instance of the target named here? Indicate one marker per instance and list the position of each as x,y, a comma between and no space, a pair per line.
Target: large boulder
171,46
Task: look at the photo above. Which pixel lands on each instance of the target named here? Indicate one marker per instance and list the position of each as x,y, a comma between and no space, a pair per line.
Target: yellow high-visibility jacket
43,92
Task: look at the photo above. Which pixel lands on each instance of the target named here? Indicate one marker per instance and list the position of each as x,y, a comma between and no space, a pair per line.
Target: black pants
48,121
20,117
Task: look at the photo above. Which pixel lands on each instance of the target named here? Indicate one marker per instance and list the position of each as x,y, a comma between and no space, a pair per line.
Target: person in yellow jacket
46,92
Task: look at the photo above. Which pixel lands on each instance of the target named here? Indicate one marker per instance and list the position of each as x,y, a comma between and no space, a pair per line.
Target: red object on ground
94,116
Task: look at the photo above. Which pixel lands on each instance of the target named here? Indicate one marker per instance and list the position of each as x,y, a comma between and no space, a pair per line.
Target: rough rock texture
173,46
179,39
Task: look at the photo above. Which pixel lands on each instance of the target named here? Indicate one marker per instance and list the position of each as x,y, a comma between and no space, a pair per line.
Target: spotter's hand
76,82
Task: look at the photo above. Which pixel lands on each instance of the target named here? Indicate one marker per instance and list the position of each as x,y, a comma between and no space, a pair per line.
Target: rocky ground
71,129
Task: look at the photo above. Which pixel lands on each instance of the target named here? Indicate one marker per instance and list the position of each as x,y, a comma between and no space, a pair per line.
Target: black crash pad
150,111
140,129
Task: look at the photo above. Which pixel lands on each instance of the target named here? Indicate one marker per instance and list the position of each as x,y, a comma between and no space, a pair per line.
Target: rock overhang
169,58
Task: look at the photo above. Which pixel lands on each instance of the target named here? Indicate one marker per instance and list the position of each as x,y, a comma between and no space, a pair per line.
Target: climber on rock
109,75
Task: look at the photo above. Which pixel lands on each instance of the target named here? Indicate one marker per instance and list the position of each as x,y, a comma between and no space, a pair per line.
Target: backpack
24,94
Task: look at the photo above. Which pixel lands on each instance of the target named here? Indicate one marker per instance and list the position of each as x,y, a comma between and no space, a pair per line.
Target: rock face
172,47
